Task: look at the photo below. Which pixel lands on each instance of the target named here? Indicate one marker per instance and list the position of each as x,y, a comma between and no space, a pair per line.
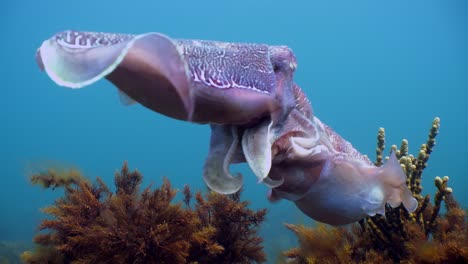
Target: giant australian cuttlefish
257,115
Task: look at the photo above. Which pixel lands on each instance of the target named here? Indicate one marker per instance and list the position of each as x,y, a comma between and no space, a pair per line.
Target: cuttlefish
256,111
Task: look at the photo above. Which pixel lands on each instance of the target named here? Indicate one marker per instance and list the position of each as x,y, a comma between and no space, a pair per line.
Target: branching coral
424,236
90,224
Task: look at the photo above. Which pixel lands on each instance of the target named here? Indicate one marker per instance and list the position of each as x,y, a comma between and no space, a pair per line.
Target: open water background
364,64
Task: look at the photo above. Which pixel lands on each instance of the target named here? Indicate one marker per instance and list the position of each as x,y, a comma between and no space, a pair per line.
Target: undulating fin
77,59
395,188
155,74
223,150
125,99
149,67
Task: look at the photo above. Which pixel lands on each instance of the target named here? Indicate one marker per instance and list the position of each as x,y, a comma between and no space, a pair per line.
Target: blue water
363,64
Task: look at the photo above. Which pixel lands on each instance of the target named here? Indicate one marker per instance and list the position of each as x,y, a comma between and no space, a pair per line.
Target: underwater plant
233,223
423,236
91,224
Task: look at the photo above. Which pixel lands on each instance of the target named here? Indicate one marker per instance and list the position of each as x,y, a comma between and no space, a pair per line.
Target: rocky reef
91,224
424,236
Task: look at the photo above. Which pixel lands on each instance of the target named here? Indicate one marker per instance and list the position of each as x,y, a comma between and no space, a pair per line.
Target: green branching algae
424,236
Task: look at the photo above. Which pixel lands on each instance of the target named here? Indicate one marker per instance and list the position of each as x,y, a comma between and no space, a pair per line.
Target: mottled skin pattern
229,65
257,115
76,40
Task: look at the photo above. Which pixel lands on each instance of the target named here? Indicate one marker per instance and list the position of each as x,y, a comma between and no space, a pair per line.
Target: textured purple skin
228,83
229,65
256,74
257,114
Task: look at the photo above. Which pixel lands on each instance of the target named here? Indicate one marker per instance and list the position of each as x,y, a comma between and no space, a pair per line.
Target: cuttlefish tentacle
223,152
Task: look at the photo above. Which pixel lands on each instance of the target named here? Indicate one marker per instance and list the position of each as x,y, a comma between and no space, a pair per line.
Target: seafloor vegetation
91,224
424,236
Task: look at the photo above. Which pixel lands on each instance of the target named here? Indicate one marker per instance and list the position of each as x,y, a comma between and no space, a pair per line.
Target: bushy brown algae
91,224
424,236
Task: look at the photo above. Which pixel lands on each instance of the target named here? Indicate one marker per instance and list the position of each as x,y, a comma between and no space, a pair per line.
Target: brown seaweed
91,224
424,236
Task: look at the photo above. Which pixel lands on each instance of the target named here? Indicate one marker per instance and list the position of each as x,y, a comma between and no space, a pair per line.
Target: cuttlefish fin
77,64
394,181
149,68
223,147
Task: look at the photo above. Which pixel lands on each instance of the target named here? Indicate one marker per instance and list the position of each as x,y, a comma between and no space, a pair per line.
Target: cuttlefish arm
258,142
193,80
224,150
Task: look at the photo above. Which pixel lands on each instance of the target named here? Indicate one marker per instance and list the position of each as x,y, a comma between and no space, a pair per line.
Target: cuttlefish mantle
257,114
